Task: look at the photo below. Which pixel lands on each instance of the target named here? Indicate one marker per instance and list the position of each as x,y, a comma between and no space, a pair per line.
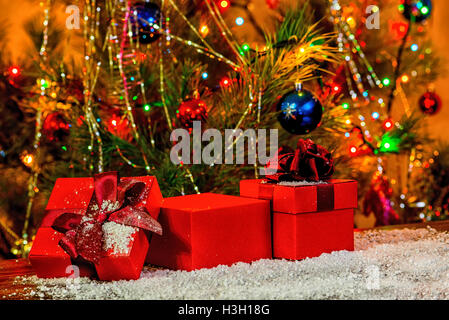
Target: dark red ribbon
310,162
114,201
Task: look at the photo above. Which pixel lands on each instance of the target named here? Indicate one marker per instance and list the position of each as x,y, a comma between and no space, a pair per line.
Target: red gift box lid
74,194
205,202
335,195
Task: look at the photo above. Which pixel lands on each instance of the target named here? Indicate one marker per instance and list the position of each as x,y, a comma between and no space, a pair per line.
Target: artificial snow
399,264
109,205
301,183
117,237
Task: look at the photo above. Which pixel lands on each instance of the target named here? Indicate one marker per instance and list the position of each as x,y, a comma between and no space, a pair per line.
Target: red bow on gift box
309,162
113,201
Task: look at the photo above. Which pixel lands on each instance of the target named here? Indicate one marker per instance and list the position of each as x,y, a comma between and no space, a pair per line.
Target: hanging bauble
300,112
191,110
55,127
119,126
430,103
272,4
416,10
148,16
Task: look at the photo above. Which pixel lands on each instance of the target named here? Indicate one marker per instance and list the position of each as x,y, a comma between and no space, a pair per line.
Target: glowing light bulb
27,159
224,4
388,124
204,30
14,71
225,82
239,21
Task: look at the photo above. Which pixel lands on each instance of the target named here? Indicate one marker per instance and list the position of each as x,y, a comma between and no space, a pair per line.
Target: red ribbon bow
309,162
112,201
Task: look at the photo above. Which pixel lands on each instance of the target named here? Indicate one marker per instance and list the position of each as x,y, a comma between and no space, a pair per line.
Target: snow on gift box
312,214
100,225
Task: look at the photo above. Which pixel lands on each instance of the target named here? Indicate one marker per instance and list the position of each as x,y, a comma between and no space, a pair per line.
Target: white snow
400,264
301,183
117,237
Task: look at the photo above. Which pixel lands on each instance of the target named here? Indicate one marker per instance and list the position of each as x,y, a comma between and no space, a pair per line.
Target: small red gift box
308,219
206,230
74,195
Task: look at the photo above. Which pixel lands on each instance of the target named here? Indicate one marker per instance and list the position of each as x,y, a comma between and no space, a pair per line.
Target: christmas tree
110,81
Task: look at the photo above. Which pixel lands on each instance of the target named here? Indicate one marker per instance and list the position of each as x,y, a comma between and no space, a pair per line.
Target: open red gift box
308,219
73,195
206,230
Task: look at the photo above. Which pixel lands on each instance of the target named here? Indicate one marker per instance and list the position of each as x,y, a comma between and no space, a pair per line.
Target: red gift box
124,265
73,195
308,219
206,230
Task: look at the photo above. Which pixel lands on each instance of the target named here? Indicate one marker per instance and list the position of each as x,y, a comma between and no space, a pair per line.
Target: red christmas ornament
272,4
14,71
335,86
191,110
378,201
399,29
119,126
430,103
55,127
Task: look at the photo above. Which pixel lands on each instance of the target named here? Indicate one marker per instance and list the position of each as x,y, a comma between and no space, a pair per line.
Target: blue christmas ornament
148,20
300,112
416,10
